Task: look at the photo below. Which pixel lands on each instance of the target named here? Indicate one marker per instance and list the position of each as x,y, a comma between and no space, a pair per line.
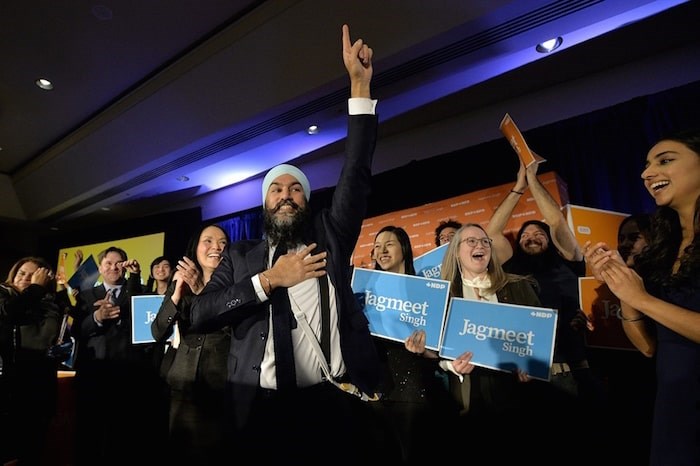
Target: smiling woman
663,292
195,365
414,397
30,320
485,396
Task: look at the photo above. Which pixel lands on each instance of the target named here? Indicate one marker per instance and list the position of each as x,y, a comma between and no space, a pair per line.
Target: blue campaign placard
143,311
85,277
396,305
501,336
429,264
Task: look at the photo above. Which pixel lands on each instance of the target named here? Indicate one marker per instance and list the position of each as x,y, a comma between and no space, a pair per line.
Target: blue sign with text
396,305
429,264
143,311
501,336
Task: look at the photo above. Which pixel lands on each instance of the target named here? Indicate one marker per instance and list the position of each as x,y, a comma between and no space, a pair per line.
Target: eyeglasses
472,242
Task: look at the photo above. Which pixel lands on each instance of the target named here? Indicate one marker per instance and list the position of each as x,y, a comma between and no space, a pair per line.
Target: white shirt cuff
259,288
361,106
447,366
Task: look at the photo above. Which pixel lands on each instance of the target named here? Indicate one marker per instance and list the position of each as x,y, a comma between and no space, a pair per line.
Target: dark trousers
314,425
121,415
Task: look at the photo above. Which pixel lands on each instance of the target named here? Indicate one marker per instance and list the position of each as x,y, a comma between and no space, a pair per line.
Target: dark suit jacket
199,364
230,299
112,340
118,392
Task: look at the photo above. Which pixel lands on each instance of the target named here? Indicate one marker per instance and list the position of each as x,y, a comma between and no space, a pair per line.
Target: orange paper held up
517,141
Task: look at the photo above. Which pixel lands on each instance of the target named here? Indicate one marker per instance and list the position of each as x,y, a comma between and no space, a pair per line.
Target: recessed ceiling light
105,209
183,178
44,84
101,12
313,129
549,45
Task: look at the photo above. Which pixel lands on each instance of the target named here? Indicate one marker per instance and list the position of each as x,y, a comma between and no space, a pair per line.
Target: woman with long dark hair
664,289
415,400
197,374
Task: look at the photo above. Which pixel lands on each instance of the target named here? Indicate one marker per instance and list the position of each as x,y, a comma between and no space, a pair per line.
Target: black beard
543,248
525,263
287,233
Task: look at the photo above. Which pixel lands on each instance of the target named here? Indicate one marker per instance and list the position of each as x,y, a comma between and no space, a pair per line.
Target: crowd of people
262,349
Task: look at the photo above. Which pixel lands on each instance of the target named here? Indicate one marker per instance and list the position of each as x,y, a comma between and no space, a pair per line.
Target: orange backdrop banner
588,224
475,207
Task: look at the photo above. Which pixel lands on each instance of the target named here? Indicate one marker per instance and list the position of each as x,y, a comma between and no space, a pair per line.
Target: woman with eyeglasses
490,399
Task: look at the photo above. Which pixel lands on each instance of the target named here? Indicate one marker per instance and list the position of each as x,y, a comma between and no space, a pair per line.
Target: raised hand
357,57
42,276
131,265
188,273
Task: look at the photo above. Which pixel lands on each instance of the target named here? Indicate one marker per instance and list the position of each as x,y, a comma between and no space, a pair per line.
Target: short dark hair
119,251
445,224
643,222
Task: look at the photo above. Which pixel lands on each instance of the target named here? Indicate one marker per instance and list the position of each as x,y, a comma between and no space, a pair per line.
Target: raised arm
357,57
562,236
503,213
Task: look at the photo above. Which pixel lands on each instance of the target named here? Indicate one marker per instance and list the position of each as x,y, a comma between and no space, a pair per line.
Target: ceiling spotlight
105,209
44,84
101,12
183,178
549,45
313,129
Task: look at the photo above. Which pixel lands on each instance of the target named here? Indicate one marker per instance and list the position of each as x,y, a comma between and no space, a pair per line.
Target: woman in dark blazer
197,374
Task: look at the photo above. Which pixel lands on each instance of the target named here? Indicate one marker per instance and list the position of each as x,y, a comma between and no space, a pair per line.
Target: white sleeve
447,366
361,106
259,288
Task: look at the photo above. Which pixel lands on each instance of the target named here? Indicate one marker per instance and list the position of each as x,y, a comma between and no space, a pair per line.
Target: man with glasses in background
548,252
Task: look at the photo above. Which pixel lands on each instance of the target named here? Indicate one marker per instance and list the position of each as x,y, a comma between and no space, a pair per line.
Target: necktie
282,333
113,292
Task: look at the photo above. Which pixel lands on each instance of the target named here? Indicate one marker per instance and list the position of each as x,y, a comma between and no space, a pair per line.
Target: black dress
416,413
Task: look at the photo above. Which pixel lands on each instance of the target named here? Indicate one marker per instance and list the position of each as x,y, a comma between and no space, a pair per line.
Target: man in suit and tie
118,405
280,396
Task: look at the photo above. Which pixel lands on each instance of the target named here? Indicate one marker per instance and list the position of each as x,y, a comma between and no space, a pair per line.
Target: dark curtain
243,226
599,155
